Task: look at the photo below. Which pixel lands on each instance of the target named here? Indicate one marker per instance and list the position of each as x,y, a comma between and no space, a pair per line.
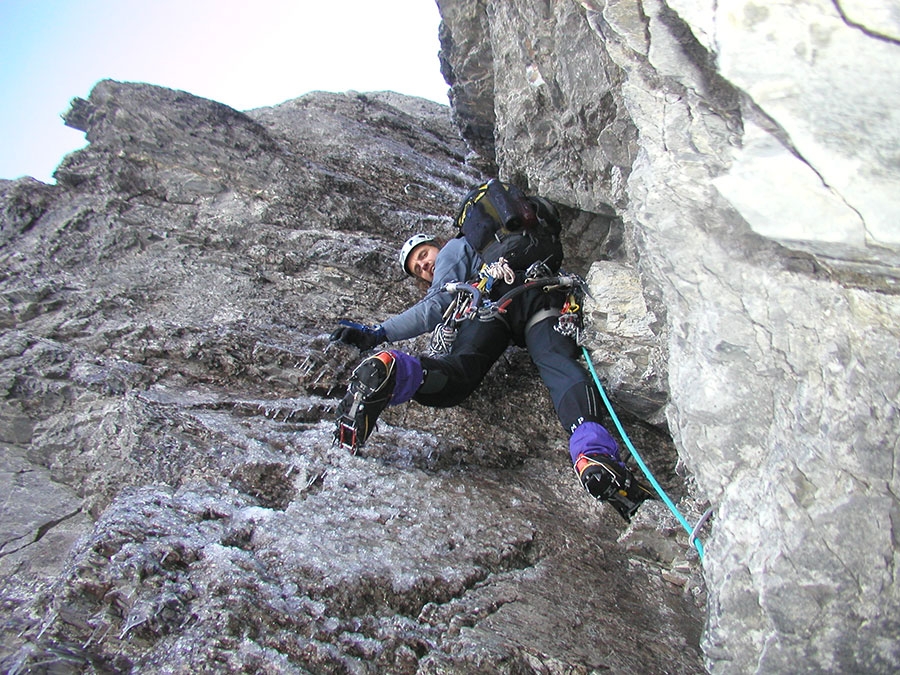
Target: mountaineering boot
368,393
608,480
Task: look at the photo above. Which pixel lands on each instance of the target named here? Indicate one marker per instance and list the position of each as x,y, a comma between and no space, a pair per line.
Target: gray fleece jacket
456,261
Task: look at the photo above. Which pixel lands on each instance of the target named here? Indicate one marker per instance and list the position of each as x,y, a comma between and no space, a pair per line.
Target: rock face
173,501
749,150
725,173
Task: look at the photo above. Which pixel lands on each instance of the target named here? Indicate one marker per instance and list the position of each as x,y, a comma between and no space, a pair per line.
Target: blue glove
363,337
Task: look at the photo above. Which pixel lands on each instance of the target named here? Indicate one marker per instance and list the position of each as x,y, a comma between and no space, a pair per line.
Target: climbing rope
501,270
692,531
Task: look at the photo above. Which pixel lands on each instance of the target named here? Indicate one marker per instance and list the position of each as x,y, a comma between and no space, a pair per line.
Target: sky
245,54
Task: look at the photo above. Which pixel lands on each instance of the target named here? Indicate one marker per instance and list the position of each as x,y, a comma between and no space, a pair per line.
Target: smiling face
420,262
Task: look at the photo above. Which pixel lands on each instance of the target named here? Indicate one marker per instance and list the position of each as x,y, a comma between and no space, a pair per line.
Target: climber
516,233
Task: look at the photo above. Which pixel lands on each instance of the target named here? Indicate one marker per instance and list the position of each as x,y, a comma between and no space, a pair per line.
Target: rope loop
501,270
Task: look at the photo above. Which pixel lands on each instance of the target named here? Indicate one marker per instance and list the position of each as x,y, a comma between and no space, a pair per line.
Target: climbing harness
471,302
693,532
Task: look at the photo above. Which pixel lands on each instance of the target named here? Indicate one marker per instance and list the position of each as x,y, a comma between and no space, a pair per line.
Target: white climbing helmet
411,243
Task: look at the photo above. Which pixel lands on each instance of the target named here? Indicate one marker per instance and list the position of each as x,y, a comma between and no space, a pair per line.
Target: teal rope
656,486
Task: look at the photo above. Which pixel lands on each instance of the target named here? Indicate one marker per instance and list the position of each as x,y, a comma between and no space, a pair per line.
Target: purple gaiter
409,377
591,438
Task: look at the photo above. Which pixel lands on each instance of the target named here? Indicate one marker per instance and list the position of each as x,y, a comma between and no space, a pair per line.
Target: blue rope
692,532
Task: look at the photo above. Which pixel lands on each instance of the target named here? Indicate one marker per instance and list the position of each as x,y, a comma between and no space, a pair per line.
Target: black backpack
500,221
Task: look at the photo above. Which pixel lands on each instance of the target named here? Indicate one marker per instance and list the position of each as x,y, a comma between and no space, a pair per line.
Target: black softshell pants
450,378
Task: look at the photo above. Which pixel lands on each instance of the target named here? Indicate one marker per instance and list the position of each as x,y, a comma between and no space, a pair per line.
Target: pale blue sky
241,53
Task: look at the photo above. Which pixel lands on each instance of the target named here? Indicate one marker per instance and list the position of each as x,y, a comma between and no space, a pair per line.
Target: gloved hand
364,337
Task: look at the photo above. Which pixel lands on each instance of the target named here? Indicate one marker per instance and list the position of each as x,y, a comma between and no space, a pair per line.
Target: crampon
609,481
368,394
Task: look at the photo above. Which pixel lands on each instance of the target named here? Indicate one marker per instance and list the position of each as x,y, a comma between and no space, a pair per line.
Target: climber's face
421,261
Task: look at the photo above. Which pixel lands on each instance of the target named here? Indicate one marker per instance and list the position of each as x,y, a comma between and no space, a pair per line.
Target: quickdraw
444,334
466,296
571,320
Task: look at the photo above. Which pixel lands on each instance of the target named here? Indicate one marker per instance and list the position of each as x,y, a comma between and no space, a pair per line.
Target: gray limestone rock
755,180
624,337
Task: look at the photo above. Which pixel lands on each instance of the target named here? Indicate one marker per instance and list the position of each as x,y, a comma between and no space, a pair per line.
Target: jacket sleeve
456,261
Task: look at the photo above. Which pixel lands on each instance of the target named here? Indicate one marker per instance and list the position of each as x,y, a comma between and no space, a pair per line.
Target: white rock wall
830,85
755,171
784,396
